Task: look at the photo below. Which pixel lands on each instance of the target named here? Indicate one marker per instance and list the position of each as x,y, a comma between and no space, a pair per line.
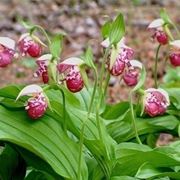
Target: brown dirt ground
82,22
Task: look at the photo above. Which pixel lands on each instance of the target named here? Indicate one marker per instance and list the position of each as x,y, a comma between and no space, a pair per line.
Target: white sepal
156,23
73,61
136,63
30,90
105,43
25,35
45,57
175,44
7,42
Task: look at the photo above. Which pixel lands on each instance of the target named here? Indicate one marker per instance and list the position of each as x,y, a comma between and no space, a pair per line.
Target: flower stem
169,32
176,29
81,141
58,87
106,83
44,32
90,108
103,68
64,111
155,66
133,119
101,92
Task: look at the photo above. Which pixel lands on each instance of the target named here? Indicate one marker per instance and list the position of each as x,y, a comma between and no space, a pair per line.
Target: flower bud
74,80
175,59
131,77
156,101
36,106
27,45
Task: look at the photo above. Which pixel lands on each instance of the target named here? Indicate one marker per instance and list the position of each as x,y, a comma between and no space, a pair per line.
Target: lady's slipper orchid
130,77
156,27
175,53
36,105
29,45
7,51
156,101
73,78
119,57
42,71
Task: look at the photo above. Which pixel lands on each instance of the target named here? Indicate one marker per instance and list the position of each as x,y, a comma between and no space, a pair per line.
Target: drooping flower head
36,105
131,74
175,53
7,51
42,71
70,69
158,32
119,56
29,45
156,101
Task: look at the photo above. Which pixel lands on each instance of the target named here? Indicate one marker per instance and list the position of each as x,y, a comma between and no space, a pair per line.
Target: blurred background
81,20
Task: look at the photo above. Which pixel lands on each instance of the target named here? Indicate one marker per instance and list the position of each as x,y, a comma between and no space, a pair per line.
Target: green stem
64,111
133,119
89,111
176,29
57,87
169,32
94,91
44,32
103,68
98,122
101,91
81,142
106,83
155,67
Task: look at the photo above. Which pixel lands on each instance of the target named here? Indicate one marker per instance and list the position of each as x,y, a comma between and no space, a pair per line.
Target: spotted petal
162,91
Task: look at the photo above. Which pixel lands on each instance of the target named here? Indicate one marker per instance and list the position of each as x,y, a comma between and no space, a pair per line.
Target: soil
82,22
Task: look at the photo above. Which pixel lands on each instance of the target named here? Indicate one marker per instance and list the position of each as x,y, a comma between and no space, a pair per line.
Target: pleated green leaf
45,138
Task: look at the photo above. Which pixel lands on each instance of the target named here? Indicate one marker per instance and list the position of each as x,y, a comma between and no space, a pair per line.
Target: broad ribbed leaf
148,171
39,175
122,129
131,156
45,138
56,45
123,178
36,162
9,160
117,30
113,112
102,151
